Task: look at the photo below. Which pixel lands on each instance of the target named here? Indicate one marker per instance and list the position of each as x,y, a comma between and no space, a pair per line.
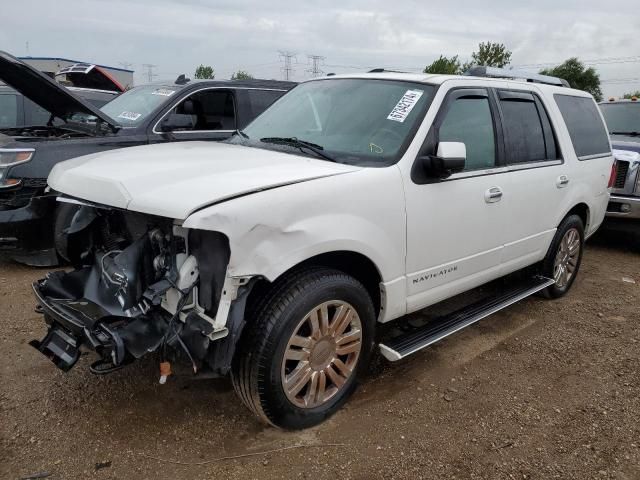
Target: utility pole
27,45
287,70
315,61
150,73
125,65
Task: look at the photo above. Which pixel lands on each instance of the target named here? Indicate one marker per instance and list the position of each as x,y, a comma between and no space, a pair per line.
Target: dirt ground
544,389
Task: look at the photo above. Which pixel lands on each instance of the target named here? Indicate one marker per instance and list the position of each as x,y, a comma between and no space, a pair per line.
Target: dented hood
175,179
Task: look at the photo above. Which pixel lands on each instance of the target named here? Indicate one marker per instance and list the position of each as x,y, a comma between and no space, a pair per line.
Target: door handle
493,195
562,181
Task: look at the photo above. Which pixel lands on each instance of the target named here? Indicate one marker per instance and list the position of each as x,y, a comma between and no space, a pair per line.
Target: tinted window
622,117
261,99
210,110
35,114
586,129
469,121
523,131
8,111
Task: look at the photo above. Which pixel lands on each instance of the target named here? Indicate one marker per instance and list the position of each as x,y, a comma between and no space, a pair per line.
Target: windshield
363,121
622,117
134,106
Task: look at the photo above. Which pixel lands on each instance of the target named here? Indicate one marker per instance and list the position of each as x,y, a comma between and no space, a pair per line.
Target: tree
445,66
241,75
632,94
578,76
489,54
204,72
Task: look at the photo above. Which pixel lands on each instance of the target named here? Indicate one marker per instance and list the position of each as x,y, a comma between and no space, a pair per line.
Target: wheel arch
582,210
353,263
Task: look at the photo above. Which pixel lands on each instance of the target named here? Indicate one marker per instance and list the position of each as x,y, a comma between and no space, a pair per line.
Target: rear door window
586,128
262,99
528,133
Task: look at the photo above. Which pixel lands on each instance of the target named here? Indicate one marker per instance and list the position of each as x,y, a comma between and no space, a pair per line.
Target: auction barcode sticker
130,115
405,105
165,92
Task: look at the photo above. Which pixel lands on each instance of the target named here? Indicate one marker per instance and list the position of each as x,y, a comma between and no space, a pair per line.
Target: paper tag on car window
405,105
165,92
130,115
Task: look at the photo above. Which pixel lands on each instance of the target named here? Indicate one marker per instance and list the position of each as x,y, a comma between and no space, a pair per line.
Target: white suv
352,201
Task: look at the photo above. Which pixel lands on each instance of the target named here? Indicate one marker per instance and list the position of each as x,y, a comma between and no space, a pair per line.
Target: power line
315,62
287,69
150,73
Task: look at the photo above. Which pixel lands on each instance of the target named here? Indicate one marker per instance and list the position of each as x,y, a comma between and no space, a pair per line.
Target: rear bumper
26,233
624,207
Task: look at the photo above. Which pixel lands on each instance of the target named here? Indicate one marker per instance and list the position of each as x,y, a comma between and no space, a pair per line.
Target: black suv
32,223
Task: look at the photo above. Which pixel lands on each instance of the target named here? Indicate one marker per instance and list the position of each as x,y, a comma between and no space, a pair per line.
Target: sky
351,35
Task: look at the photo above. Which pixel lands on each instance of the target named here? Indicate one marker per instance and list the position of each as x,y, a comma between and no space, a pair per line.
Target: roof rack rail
495,72
382,70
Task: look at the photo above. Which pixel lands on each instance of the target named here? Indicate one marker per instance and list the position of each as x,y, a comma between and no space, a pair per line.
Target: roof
437,79
59,59
253,83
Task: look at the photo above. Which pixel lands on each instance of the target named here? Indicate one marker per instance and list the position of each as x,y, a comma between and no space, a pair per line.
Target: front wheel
299,358
564,256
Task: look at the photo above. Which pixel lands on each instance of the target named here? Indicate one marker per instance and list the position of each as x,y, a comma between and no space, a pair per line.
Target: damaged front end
140,284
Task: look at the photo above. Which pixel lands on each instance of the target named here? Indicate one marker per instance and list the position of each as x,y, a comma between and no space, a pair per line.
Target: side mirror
176,121
449,158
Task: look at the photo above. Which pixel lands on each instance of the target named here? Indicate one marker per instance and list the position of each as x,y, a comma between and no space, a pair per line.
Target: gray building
50,65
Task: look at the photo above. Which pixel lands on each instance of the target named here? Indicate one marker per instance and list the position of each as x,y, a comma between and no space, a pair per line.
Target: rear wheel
300,356
564,256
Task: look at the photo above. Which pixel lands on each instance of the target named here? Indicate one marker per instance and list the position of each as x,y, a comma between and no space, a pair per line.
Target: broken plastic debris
628,280
165,371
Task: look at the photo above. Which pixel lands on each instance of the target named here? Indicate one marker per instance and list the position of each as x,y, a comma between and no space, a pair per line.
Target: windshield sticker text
165,92
130,115
402,110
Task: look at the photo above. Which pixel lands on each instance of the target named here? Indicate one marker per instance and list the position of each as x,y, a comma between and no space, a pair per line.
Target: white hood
175,179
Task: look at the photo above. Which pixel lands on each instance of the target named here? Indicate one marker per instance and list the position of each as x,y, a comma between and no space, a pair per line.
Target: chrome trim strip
596,155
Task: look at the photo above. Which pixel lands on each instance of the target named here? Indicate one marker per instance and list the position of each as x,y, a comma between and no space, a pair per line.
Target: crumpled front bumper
73,324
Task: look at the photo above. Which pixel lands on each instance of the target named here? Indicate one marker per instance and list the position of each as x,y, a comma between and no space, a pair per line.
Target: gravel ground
544,389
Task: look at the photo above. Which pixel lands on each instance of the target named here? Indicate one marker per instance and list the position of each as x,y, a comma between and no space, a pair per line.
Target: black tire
258,366
64,214
572,222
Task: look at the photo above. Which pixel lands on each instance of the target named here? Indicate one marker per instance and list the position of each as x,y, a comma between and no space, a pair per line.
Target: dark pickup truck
623,121
32,223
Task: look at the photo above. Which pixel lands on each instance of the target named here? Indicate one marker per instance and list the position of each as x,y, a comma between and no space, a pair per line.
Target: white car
352,201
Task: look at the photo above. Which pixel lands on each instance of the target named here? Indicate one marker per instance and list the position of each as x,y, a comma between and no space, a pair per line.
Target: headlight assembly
14,156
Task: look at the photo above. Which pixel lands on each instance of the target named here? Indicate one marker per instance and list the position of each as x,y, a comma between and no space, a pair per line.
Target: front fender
274,230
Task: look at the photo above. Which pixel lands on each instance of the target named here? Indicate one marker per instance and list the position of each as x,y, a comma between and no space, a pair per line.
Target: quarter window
469,121
586,128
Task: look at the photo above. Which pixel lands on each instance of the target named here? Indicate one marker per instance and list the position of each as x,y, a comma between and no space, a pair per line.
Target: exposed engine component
136,289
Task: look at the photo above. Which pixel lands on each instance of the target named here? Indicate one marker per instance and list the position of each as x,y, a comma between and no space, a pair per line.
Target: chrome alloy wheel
322,354
566,261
